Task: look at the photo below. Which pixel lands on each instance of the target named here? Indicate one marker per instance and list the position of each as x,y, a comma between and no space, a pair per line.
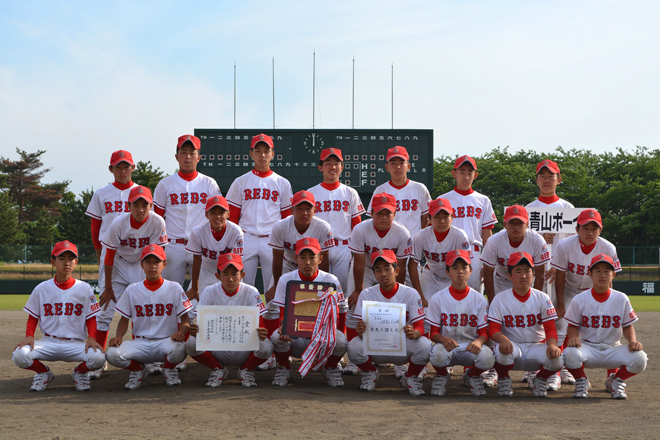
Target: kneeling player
519,320
66,310
457,316
596,319
385,270
308,256
230,291
154,306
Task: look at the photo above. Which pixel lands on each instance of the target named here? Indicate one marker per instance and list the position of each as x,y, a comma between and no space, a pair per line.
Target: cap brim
517,217
309,248
454,260
226,208
400,156
450,212
238,266
146,199
65,250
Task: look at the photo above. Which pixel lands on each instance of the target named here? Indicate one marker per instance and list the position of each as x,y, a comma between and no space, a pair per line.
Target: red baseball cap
217,201
588,216
327,152
397,151
303,197
549,164
458,254
516,257
516,212
194,140
268,140
140,192
461,160
308,243
225,260
383,201
602,258
155,250
438,205
64,246
386,254
121,156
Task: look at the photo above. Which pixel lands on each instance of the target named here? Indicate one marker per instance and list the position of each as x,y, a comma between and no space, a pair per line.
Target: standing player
153,306
181,199
65,309
385,269
596,320
230,291
473,213
341,207
521,320
457,317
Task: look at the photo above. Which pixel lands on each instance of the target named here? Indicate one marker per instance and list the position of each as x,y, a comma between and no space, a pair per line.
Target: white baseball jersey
522,321
365,240
405,295
261,200
128,242
338,207
601,322
184,202
285,235
154,314
497,251
107,204
203,243
247,295
412,202
321,277
568,257
458,319
63,313
472,213
561,203
426,245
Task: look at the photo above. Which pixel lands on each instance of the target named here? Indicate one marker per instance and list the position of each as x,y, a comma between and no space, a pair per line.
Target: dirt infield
310,409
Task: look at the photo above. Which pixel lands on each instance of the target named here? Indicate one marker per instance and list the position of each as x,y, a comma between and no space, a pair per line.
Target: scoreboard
225,155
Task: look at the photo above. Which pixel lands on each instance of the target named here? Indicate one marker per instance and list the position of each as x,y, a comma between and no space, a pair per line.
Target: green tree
146,175
42,230
74,225
10,230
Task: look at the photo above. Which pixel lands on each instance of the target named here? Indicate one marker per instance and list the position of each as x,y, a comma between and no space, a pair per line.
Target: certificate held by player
384,322
299,319
227,328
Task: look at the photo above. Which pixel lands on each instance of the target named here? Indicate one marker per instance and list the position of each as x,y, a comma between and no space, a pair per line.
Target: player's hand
506,347
193,293
98,253
262,333
553,351
474,347
635,346
105,298
360,328
91,343
573,342
448,343
549,238
194,329
29,340
115,342
283,337
352,300
411,333
561,311
179,336
270,294
550,275
425,303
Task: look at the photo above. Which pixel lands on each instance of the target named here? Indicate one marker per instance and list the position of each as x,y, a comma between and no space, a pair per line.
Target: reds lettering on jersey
522,321
107,204
337,207
412,201
128,241
261,194
186,198
459,319
473,212
365,240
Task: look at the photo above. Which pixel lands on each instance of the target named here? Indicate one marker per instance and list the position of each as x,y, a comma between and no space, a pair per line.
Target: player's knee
485,359
356,350
573,358
21,357
176,352
95,359
279,346
637,364
114,357
504,359
191,347
554,364
421,350
265,349
439,356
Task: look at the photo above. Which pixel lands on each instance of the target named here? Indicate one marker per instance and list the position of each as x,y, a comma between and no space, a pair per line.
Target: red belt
61,339
178,240
148,339
342,242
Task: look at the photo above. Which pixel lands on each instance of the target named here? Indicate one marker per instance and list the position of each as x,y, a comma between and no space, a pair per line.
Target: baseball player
521,321
210,241
431,245
154,307
341,207
457,317
473,213
385,269
231,291
181,199
257,200
596,320
308,257
412,198
65,309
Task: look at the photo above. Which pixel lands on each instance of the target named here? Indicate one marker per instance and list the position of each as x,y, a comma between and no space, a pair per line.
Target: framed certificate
384,322
299,319
227,328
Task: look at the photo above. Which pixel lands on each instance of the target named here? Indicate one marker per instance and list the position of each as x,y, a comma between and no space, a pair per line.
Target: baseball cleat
333,377
540,387
424,372
155,368
439,385
554,382
351,369
216,377
608,383
566,376
619,389
490,378
81,380
528,376
414,385
476,385
581,388
450,369
136,378
182,366
369,379
247,378
171,377
41,380
400,371
504,387
96,374
282,376
268,365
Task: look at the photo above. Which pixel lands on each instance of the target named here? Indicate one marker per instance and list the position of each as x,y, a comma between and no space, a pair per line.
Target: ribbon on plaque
323,341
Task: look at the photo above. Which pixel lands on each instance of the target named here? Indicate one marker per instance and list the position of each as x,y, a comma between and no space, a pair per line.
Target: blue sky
82,79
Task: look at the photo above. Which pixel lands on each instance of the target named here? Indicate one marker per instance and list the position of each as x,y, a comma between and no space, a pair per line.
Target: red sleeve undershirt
261,322
550,330
493,327
435,330
96,230
285,213
234,214
91,327
159,211
31,326
419,325
109,257
489,227
355,221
